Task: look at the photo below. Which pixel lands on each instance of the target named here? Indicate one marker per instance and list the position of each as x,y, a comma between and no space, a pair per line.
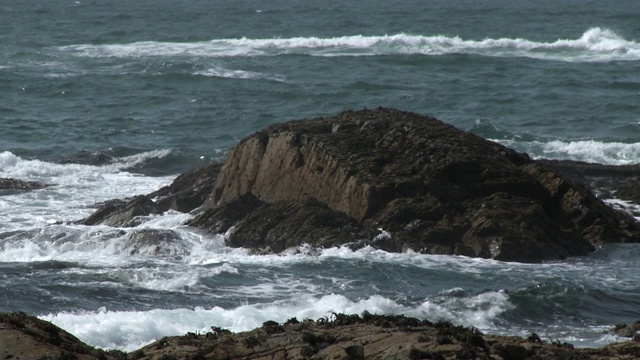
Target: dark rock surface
187,192
155,242
374,337
434,188
95,158
123,213
609,181
630,190
285,224
11,186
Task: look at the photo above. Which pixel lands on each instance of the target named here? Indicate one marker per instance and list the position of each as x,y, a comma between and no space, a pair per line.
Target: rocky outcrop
187,192
26,337
432,187
123,213
341,336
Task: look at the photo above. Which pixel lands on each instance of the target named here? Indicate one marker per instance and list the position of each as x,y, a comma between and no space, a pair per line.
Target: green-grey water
108,99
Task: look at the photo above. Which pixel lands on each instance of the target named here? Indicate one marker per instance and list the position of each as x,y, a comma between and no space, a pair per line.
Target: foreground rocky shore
339,336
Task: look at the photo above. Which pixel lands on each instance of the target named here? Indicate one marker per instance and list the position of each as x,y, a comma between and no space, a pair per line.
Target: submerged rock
12,186
432,187
155,242
95,158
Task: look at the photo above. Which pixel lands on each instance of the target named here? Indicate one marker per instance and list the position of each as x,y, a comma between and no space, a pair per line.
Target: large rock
432,187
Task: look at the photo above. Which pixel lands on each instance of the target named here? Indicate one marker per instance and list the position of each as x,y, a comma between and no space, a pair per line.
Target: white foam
13,166
595,45
610,153
129,330
238,74
74,187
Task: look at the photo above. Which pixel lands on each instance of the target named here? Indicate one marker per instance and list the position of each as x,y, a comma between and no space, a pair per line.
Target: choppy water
109,99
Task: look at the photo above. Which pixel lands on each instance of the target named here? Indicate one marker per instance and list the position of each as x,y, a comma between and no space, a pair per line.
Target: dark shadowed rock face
189,190
434,188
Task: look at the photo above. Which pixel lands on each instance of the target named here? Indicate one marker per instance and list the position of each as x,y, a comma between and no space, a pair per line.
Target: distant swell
595,45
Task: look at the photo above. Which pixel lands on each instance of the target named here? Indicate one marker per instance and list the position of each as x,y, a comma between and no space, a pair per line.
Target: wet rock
189,190
630,190
123,213
12,186
221,218
287,224
95,158
155,242
432,187
607,181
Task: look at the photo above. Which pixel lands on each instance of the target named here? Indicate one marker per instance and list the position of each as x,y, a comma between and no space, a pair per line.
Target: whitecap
594,45
238,74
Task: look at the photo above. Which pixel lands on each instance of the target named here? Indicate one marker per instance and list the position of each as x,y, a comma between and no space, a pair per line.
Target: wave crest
595,45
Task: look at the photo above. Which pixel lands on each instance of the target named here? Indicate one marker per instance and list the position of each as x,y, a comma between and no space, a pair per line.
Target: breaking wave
129,330
595,45
593,151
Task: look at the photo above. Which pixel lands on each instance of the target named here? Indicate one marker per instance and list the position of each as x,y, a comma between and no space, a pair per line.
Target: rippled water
111,99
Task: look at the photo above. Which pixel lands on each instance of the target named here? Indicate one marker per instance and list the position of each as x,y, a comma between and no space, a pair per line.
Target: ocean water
109,99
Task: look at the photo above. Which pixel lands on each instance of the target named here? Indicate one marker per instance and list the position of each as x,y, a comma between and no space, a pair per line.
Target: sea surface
108,99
